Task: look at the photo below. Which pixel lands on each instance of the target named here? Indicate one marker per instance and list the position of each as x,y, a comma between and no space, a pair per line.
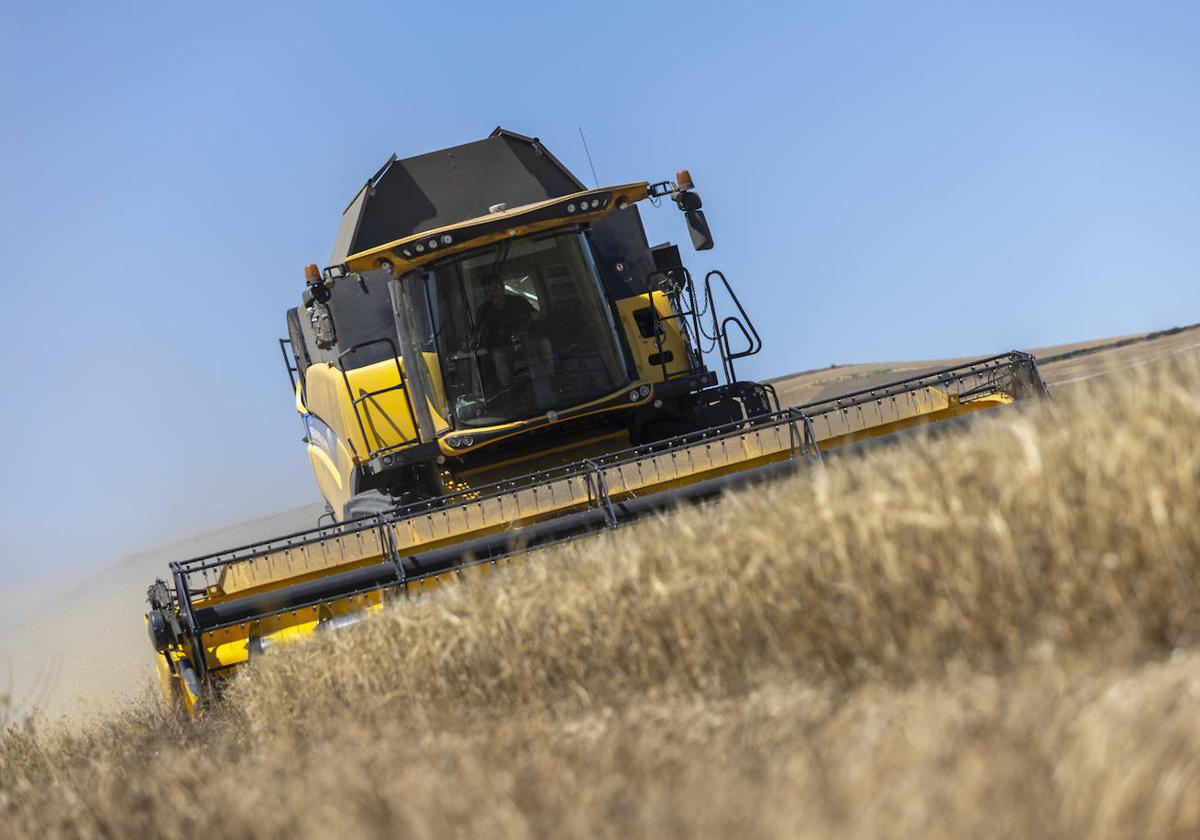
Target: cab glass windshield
516,330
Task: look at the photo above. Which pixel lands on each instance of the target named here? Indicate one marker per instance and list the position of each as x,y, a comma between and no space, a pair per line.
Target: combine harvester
496,360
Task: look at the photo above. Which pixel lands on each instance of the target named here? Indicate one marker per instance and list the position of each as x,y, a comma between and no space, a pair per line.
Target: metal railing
702,327
364,396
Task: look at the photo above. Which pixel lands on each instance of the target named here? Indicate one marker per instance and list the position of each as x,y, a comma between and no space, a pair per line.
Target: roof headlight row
584,205
431,244
587,205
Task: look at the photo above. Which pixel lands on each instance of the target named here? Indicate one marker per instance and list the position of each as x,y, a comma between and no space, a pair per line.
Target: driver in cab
501,319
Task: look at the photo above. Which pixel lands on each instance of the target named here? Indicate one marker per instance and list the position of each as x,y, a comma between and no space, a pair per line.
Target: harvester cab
485,311
496,360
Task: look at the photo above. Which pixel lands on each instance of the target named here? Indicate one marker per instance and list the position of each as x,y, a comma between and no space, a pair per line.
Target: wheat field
989,633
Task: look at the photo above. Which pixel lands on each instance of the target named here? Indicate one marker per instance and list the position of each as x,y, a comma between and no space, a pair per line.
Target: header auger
496,360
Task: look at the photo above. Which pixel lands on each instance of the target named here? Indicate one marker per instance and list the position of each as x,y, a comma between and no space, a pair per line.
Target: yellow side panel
328,452
332,473
382,414
336,430
670,344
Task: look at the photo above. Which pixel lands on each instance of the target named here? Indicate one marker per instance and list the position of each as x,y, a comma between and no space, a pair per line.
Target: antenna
595,180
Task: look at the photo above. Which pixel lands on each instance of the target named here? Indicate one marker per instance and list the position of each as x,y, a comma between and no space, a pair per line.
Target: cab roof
434,190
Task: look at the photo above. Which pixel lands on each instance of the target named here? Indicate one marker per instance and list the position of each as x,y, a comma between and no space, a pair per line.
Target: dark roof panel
448,186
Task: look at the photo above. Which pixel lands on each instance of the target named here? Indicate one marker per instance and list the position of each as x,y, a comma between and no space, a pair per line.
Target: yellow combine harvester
496,360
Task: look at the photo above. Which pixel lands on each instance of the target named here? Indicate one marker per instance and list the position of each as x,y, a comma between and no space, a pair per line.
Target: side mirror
689,202
697,226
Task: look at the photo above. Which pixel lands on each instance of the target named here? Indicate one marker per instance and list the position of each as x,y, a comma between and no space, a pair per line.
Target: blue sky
885,181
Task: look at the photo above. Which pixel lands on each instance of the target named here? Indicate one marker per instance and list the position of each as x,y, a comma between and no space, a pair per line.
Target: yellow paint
518,226
282,630
543,459
504,431
383,417
671,341
918,408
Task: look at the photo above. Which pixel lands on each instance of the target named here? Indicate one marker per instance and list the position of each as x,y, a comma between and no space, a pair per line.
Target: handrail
356,402
292,365
721,329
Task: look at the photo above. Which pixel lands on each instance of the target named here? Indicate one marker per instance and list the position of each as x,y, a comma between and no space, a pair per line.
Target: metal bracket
803,442
810,438
387,541
597,486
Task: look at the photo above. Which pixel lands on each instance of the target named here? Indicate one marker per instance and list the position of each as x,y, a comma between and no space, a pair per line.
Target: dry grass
991,634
